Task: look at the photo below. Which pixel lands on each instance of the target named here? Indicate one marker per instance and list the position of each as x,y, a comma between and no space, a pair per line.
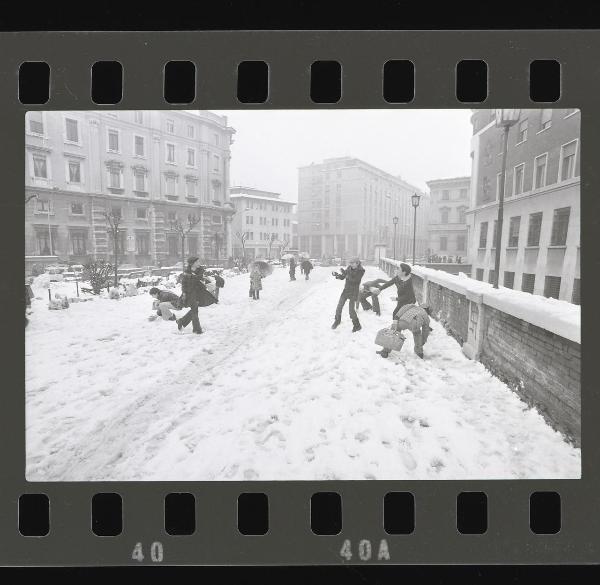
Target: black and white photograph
307,295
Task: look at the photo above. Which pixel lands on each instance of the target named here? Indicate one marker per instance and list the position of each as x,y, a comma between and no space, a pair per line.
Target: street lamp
395,220
416,199
505,118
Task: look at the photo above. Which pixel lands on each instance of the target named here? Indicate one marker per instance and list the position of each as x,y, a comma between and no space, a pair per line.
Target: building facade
263,220
540,240
346,207
149,168
448,234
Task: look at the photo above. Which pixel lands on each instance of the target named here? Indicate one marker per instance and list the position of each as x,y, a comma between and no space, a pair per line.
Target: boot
199,332
356,327
335,324
179,325
172,318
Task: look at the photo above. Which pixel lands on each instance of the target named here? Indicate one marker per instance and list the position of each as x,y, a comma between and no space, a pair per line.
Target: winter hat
354,259
191,260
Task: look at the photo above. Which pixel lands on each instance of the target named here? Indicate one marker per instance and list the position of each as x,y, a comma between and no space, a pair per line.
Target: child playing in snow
255,284
416,319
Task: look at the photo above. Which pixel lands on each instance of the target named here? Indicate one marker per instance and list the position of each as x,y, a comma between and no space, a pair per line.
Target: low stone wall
543,366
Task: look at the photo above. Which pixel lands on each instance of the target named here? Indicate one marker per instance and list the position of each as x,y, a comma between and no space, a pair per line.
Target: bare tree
113,220
285,244
183,230
271,239
242,237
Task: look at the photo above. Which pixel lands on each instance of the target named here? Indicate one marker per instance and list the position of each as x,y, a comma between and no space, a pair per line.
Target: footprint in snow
437,463
362,436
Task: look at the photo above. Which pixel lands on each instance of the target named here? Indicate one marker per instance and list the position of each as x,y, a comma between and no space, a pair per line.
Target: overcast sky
418,145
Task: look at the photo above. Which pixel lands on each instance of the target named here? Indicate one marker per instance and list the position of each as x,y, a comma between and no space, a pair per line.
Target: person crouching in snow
167,302
193,294
415,319
352,275
255,283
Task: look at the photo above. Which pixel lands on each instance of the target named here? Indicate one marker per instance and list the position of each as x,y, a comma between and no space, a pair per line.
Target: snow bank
559,317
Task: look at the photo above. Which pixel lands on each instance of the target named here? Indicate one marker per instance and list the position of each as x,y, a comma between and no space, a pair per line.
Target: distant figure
352,275
403,281
255,283
415,319
292,268
306,266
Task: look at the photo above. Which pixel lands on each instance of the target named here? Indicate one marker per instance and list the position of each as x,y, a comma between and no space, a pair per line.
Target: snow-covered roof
559,317
250,196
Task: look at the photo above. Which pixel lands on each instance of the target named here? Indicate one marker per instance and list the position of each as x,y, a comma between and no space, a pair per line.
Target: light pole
395,220
415,199
505,118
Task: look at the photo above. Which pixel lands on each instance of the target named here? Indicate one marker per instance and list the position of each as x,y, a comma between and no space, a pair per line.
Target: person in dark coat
193,295
366,292
403,281
167,301
306,267
352,275
292,268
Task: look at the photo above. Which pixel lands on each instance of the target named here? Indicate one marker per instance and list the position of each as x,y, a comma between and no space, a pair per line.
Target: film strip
294,522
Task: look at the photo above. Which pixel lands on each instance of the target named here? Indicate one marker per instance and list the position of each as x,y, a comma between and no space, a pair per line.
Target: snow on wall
559,317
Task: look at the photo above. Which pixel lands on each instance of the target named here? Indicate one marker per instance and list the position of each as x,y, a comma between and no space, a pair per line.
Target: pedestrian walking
403,281
306,266
193,295
416,320
255,283
352,275
292,268
369,289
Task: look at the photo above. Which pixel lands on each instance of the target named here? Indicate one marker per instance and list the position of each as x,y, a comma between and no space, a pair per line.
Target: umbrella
264,267
287,256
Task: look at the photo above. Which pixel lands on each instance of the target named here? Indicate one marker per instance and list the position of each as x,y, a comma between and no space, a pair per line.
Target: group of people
305,268
406,315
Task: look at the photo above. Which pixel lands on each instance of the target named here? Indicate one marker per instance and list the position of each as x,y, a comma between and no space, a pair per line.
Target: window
535,228
509,279
170,153
491,276
528,282
116,211
522,135
576,298
249,219
139,146
463,193
218,219
142,243
191,157
71,130
190,189
76,208
479,274
495,235
443,243
460,243
444,215
113,141
36,123
552,287
462,215
539,179
546,118
513,232
173,244
171,186
115,178
78,242
171,126
567,160
139,117
483,230
215,162
171,216
74,171
40,168
445,195
518,179
141,213
560,226
216,139
46,241
139,178
190,130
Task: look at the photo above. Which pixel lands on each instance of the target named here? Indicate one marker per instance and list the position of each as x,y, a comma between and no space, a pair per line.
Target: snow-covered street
268,392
